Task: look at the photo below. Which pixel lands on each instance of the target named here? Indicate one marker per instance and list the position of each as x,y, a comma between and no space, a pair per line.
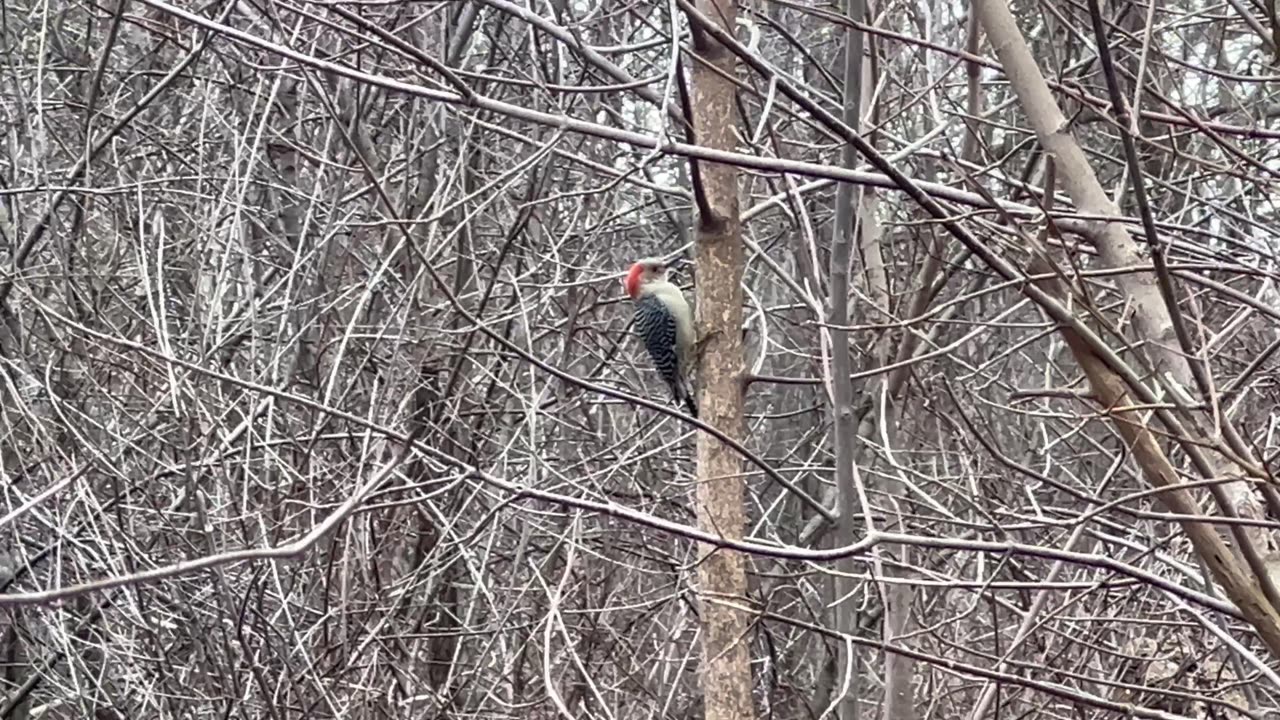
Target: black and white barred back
657,328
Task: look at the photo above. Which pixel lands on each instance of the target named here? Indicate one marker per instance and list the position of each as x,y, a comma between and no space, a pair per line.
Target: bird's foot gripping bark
700,345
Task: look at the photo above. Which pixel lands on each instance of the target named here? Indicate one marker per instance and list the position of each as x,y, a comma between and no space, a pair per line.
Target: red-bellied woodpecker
664,323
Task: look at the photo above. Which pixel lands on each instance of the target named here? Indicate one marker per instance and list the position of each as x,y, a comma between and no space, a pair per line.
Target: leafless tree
318,396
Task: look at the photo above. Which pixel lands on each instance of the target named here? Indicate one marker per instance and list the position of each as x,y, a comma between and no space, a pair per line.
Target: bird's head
643,272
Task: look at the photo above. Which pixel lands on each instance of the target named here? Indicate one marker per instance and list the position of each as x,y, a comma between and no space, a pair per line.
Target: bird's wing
655,326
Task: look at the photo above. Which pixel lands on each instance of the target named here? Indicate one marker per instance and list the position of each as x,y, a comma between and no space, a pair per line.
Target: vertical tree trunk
845,684
722,579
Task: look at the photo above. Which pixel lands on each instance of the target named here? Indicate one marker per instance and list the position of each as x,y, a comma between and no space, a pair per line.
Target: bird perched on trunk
664,323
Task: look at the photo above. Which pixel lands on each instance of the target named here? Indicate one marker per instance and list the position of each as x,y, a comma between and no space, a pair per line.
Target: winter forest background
248,247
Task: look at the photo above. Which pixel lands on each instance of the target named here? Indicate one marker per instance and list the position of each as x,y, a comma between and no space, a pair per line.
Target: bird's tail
691,406
682,392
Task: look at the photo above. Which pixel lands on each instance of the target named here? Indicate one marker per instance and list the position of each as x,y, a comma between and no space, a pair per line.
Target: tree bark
722,581
845,684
